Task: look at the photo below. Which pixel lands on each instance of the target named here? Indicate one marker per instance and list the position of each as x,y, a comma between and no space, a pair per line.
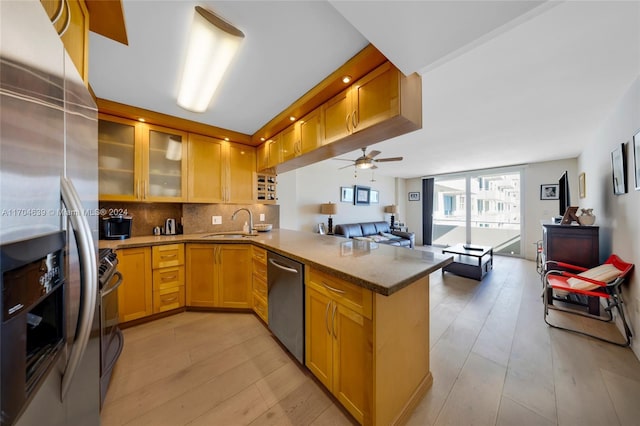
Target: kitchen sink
223,235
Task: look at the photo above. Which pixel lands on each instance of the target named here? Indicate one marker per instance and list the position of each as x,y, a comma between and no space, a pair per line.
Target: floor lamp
329,208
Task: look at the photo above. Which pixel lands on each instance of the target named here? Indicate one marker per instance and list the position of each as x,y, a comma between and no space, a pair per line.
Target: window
493,214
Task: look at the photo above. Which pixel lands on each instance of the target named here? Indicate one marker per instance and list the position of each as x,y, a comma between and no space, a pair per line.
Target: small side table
471,261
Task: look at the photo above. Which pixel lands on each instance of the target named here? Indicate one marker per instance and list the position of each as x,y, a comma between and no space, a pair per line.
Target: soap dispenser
245,228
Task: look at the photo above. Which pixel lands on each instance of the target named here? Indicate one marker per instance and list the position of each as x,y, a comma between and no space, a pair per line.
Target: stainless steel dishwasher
286,302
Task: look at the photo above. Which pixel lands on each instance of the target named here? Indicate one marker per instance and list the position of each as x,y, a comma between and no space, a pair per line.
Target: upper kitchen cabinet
220,171
119,167
70,18
164,165
73,19
373,99
380,105
242,174
309,132
140,162
205,156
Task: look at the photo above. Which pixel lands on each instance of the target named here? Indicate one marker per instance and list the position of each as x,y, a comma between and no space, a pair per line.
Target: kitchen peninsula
366,315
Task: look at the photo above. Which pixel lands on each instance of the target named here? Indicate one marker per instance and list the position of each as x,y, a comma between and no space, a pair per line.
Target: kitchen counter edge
147,241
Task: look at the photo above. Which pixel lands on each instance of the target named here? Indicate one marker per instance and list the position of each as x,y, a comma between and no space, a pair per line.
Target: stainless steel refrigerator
48,193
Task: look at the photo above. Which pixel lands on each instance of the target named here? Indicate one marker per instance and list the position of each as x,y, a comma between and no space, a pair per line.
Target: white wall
617,215
300,193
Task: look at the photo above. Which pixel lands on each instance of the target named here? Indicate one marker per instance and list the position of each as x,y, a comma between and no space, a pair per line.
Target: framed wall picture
361,195
582,185
636,158
414,196
374,197
619,170
346,194
550,191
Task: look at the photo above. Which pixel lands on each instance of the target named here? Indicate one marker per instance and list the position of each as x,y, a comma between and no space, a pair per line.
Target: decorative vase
587,217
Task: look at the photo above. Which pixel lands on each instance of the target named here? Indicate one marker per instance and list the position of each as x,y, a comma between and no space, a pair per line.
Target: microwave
115,227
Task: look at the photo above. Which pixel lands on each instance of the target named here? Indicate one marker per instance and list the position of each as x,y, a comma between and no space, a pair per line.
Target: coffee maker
116,227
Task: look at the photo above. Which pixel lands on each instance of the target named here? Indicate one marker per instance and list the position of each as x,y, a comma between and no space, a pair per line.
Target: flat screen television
563,192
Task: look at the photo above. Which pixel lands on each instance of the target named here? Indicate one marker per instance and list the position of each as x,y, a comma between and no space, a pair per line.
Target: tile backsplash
195,218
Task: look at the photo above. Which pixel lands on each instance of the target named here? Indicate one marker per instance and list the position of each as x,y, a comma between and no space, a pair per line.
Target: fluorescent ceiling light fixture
213,43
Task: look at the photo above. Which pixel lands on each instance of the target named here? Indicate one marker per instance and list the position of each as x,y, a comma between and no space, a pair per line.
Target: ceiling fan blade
344,167
343,159
382,160
373,154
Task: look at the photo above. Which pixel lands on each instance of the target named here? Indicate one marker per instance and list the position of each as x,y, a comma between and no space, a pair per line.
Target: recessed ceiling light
346,79
292,118
142,120
262,139
226,139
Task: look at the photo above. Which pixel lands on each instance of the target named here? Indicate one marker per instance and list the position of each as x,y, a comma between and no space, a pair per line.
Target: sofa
378,232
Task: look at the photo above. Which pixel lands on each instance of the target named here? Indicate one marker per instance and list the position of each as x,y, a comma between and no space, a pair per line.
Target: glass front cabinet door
140,162
165,164
118,164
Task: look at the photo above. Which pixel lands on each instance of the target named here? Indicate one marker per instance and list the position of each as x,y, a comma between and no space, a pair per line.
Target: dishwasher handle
283,267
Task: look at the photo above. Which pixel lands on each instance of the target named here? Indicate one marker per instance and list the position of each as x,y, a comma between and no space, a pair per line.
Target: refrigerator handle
89,279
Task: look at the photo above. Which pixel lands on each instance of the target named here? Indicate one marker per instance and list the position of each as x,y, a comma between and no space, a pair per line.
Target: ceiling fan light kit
367,161
213,43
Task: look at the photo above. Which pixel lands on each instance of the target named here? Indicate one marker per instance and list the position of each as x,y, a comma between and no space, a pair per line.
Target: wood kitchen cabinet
382,104
260,295
168,277
338,333
220,171
219,275
357,341
135,295
73,15
140,162
371,100
301,137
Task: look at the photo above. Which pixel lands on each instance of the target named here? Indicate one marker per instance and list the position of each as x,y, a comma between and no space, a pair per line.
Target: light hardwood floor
493,359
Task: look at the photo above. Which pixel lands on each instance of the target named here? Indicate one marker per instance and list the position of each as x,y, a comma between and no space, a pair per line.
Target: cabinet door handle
144,189
138,195
172,277
335,290
354,119
346,122
172,299
333,320
167,256
326,318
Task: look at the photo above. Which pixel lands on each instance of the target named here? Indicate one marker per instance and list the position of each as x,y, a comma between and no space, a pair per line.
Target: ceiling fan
367,161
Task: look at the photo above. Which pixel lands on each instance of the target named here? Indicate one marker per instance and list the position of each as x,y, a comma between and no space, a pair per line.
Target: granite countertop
381,268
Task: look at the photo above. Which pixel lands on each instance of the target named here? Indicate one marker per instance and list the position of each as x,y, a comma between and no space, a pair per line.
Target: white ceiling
503,82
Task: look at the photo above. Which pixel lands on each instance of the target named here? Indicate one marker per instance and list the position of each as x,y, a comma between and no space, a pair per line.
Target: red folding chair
583,288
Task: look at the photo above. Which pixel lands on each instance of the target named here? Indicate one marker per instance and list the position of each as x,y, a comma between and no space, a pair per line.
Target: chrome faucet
233,217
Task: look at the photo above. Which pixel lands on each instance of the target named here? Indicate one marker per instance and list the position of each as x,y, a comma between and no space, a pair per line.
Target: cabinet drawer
167,299
260,286
259,268
260,307
168,277
260,255
168,255
350,295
